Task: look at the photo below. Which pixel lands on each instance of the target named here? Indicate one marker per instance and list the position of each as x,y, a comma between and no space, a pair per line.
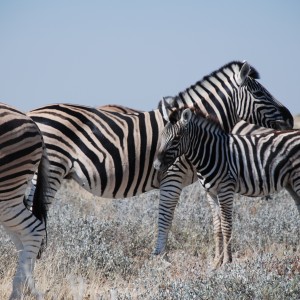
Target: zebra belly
112,183
262,184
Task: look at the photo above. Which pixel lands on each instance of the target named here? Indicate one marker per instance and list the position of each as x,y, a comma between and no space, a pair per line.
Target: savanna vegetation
101,249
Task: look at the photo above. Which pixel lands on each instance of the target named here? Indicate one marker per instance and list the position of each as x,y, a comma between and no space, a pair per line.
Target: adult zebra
251,165
111,154
22,151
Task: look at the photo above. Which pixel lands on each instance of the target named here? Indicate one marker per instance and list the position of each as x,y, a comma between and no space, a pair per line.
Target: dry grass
101,249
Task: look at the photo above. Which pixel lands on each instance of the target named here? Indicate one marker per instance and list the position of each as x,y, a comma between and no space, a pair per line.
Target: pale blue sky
134,52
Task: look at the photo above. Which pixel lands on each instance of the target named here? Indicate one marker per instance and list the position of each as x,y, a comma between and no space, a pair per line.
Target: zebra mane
253,72
159,105
176,114
209,118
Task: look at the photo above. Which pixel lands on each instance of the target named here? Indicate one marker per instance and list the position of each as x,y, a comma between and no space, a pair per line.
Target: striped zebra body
111,154
22,152
254,164
106,108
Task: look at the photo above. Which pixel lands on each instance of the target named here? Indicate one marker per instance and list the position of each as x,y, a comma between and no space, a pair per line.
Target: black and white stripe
254,164
21,152
111,154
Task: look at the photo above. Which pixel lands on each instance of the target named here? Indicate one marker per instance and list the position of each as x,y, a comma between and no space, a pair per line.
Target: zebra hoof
159,251
42,249
162,258
156,252
217,263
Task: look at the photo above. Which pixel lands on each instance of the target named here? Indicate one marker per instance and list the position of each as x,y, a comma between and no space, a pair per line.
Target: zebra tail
40,197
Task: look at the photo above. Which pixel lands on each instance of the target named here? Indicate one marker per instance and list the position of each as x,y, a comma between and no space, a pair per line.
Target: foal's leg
225,197
215,208
179,175
170,190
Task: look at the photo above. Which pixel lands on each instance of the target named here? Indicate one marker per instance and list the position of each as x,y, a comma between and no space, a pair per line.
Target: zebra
252,165
111,154
22,151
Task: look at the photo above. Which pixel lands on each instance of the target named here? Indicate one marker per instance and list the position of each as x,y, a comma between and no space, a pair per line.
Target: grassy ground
101,249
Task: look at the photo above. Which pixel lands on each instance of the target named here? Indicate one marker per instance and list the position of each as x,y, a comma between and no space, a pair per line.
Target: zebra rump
22,151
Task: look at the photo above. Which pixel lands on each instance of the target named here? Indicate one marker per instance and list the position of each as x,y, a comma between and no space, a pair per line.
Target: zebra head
174,139
254,102
229,95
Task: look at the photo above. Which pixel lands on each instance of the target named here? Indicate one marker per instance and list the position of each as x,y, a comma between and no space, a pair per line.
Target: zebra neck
208,145
218,103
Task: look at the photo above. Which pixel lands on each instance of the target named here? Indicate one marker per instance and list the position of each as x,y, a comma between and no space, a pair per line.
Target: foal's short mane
176,114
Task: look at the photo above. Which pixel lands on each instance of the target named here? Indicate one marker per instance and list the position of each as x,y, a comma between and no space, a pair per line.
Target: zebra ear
166,106
244,72
186,116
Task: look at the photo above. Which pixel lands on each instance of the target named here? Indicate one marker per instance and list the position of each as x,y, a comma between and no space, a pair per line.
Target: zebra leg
215,208
178,176
170,190
226,206
27,233
15,239
295,193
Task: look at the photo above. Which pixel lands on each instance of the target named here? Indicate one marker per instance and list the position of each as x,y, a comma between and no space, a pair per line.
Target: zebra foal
22,151
226,163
